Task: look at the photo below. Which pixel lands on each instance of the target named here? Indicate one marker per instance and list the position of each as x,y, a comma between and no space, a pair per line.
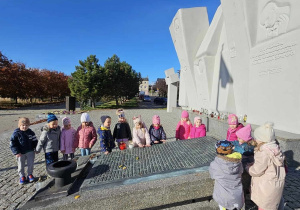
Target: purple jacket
197,132
67,140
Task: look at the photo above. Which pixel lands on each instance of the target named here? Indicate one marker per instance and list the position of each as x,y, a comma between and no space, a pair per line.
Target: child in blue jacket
23,143
107,142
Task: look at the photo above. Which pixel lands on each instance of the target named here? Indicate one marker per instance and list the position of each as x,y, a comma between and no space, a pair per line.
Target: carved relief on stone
275,19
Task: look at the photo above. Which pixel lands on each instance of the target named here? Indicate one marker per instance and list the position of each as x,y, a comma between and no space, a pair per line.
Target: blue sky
56,34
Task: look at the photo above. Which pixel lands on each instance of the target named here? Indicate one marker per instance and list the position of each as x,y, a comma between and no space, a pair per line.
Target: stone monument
171,80
245,62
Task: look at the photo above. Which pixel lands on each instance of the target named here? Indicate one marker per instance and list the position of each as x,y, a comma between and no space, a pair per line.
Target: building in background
144,86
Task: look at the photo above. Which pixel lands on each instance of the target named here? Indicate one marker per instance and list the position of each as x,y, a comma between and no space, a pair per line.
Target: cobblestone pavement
13,195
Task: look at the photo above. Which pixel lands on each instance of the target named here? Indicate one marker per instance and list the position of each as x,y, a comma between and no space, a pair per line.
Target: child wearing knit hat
199,129
67,139
50,139
107,142
86,135
156,131
245,143
226,169
122,132
140,134
183,127
234,126
22,144
267,171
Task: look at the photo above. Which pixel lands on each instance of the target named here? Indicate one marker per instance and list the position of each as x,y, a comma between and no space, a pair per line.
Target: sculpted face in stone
275,19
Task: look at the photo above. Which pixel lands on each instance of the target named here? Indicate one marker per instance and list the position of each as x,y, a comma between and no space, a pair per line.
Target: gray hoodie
228,189
49,139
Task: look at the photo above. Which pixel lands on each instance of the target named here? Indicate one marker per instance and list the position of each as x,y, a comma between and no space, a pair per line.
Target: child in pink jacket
199,129
141,137
86,135
184,127
267,171
234,126
67,139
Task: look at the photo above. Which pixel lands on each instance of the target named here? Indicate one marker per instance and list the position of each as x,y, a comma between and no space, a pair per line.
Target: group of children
260,157
24,143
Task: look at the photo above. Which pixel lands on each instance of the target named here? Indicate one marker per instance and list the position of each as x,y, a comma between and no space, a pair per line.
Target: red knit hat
245,133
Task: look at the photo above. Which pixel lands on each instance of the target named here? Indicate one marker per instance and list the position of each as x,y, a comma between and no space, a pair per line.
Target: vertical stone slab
171,80
238,45
274,87
211,65
188,29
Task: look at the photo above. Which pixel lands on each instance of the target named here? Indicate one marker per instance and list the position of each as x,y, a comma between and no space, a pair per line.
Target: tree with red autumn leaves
18,82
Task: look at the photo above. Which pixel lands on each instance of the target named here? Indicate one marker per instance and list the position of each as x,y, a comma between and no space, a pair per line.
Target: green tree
121,81
86,82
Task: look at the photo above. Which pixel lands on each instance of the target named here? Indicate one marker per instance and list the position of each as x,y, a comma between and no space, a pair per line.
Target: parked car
147,98
160,101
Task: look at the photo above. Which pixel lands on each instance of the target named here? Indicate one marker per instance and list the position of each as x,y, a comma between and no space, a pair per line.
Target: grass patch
132,103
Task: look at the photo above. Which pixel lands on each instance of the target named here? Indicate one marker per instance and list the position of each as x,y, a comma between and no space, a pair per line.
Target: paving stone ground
13,195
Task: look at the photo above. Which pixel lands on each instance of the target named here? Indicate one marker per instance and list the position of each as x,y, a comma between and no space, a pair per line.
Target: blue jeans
51,157
85,152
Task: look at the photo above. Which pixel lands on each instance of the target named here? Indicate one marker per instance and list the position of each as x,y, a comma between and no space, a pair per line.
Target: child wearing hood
267,171
141,137
107,142
183,127
67,139
86,135
226,170
50,139
199,129
23,143
156,131
234,126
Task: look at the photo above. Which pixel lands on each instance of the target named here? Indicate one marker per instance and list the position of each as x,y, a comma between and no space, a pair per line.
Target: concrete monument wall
245,62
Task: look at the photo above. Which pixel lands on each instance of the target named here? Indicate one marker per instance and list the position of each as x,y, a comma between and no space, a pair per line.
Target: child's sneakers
30,178
22,180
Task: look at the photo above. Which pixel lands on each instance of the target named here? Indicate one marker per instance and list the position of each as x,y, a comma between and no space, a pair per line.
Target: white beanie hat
85,117
265,133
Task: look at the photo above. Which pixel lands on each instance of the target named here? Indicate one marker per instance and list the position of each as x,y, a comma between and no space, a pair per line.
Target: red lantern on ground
122,146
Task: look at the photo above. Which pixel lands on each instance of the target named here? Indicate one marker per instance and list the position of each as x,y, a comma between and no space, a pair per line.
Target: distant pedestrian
122,132
23,143
267,171
226,170
234,126
86,135
156,131
107,142
184,127
50,139
67,139
199,129
140,133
